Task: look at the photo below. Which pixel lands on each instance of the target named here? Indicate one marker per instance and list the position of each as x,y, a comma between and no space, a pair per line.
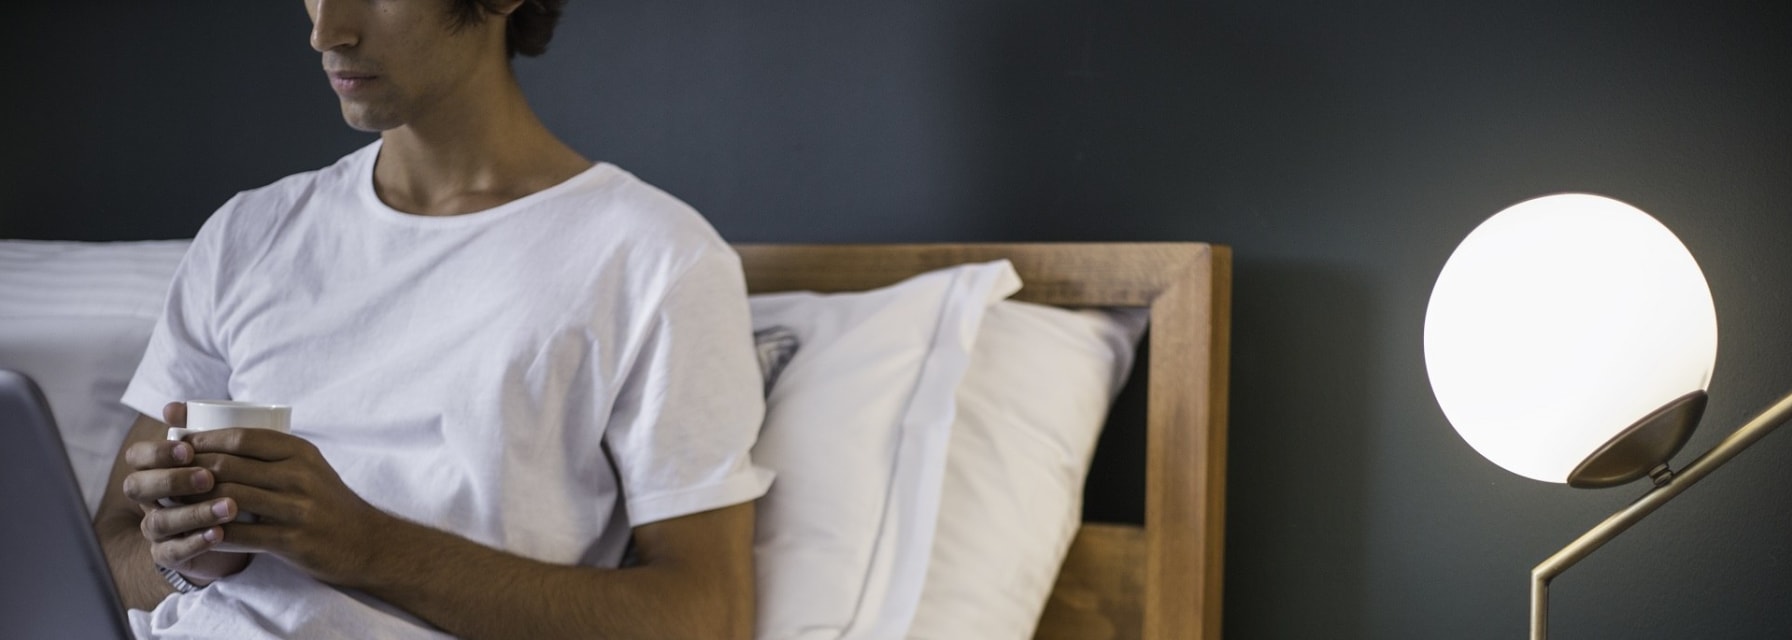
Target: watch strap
175,579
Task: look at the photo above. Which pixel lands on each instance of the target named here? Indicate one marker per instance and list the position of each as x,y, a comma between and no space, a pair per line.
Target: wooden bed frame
1158,581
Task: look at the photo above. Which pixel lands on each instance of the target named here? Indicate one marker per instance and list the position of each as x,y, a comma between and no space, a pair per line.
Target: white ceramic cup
209,415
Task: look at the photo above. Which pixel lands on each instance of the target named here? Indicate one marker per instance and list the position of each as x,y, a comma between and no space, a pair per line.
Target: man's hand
182,537
303,511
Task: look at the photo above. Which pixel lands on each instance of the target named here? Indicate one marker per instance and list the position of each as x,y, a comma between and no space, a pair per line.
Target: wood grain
1162,581
1113,274
1185,458
1100,593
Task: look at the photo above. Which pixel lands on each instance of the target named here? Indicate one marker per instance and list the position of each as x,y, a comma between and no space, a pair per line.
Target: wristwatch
176,579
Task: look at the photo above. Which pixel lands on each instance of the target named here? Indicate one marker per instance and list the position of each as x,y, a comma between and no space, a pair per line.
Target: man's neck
487,150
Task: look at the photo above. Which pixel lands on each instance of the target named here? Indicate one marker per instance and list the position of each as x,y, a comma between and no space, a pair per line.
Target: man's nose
332,23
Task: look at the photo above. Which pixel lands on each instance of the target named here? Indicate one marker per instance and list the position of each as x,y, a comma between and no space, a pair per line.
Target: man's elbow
707,561
736,624
725,610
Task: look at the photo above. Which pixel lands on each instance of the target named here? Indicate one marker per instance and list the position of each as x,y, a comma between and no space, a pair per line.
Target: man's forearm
117,525
473,591
139,585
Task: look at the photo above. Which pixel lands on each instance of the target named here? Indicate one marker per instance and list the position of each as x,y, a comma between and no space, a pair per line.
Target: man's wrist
176,580
391,560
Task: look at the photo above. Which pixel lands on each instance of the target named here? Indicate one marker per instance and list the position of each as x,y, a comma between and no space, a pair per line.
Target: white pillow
75,317
1029,413
856,428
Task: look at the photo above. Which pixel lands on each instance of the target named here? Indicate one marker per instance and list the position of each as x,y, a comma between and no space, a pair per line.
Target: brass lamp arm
1762,424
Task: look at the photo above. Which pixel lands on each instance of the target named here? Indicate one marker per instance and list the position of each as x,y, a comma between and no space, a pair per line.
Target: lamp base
1644,446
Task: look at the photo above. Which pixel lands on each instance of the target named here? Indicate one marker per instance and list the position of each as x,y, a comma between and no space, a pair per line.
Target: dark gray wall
1342,149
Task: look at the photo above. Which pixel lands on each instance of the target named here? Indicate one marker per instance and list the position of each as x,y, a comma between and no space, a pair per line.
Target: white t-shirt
539,377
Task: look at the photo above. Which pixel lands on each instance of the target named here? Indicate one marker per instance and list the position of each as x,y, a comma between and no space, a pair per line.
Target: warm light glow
1561,321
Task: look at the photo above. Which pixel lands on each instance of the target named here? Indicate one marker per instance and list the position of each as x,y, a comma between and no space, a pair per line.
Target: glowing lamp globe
1571,339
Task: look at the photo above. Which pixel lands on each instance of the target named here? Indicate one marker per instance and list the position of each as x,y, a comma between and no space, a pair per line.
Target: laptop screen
52,571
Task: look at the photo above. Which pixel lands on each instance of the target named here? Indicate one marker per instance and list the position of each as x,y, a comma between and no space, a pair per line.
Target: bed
1158,581
76,317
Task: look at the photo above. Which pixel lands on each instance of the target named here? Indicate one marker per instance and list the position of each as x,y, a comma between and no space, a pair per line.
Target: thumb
175,414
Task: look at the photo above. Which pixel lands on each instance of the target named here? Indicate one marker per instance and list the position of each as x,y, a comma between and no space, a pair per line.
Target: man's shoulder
623,206
340,173
283,195
252,217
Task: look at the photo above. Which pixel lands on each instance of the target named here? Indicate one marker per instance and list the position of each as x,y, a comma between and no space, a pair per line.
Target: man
507,364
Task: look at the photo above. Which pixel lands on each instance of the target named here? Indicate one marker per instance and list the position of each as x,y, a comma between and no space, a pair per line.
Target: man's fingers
175,413
249,537
177,552
227,468
151,485
261,444
177,522
267,506
158,454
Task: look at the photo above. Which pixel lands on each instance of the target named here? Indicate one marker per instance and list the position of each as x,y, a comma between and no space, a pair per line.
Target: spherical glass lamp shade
1561,323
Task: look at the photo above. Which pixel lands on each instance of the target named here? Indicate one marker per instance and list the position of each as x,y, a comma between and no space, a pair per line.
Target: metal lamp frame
1667,485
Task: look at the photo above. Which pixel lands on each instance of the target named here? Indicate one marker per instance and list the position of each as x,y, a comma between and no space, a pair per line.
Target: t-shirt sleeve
689,410
183,360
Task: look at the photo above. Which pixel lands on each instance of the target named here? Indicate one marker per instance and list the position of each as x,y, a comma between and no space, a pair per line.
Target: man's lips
346,82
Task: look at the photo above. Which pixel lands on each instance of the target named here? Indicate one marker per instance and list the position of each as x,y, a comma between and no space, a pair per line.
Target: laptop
54,581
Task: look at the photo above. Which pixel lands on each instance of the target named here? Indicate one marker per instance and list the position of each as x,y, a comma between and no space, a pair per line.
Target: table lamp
1571,339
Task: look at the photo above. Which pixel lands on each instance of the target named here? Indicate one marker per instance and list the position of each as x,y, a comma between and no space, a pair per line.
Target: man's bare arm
117,523
695,578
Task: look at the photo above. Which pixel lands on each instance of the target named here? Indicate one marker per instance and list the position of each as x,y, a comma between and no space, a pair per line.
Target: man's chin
369,120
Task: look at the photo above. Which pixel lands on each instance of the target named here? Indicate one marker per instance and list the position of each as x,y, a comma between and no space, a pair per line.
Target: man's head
529,26
396,61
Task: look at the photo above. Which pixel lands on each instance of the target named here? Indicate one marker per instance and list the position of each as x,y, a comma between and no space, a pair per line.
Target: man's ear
506,7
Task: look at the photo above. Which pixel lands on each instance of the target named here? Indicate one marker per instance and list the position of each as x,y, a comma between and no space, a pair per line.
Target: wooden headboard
1157,581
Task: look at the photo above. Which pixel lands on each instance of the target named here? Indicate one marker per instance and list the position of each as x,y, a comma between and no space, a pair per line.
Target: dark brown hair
531,24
